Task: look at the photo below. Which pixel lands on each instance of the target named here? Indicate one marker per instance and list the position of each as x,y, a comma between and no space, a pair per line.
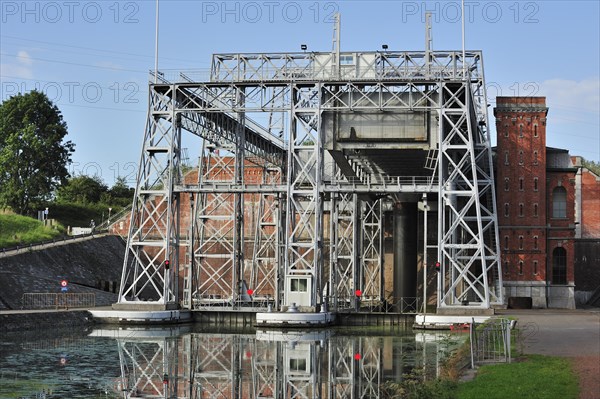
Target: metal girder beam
389,185
204,112
317,66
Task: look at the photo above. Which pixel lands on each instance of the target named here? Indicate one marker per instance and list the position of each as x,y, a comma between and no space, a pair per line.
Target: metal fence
490,341
46,300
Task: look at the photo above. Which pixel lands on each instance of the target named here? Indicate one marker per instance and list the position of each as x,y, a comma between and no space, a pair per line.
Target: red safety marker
357,356
64,283
358,293
250,291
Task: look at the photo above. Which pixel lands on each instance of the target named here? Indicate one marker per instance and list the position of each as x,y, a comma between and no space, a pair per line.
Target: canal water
189,362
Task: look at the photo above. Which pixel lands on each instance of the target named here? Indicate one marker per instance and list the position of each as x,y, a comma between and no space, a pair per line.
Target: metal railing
406,305
63,300
490,341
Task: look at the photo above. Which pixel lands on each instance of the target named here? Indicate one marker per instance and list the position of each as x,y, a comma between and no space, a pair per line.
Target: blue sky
92,57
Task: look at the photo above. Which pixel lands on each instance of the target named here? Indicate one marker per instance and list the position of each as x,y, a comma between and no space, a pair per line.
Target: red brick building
587,233
535,190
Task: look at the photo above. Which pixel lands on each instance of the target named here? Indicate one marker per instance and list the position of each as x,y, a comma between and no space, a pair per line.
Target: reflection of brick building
535,190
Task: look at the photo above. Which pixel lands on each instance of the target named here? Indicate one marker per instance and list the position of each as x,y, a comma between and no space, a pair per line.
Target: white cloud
24,58
21,69
572,96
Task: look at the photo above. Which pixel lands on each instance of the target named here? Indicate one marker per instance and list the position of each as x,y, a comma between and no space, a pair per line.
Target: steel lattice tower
348,136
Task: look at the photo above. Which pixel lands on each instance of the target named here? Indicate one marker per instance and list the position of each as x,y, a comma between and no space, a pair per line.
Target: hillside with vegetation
20,230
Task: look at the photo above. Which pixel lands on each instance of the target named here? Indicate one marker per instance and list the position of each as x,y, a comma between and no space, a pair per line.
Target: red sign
250,291
357,356
358,293
64,283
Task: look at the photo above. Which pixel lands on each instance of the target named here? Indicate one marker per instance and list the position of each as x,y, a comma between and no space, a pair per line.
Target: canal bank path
574,334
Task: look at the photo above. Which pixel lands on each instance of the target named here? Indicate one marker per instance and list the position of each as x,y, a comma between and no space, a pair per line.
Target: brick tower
535,197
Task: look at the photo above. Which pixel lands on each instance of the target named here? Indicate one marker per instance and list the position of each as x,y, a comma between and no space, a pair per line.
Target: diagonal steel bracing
343,253
298,96
153,231
468,247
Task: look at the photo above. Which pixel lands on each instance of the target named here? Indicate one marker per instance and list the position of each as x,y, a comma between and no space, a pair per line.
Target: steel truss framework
221,366
298,92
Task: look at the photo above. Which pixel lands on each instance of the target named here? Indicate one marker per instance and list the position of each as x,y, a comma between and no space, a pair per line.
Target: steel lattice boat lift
313,167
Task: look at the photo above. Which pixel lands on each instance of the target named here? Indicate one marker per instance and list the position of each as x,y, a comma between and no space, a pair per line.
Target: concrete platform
294,319
445,322
141,316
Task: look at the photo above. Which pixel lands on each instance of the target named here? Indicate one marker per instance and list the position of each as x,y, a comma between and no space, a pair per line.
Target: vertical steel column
265,365
265,256
371,273
304,214
154,224
146,365
238,234
215,217
468,245
344,249
369,378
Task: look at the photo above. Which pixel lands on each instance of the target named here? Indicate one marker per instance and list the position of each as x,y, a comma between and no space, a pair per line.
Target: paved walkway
567,333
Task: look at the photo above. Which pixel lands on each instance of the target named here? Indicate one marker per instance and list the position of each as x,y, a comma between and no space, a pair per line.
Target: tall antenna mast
156,47
336,44
428,41
464,63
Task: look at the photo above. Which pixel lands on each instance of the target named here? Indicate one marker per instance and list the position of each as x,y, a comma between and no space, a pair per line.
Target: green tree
33,156
120,193
82,190
591,165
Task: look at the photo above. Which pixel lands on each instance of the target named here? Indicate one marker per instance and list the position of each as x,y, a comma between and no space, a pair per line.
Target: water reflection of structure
274,365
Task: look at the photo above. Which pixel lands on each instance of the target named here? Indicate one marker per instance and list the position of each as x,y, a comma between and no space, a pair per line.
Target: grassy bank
20,230
530,376
536,376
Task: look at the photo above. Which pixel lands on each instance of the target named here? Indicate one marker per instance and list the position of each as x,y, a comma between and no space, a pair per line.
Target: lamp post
109,211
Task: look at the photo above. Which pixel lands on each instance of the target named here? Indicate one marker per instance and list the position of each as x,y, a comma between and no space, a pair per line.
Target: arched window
535,210
506,208
535,184
505,242
520,267
521,185
559,202
506,183
520,242
535,242
559,266
521,210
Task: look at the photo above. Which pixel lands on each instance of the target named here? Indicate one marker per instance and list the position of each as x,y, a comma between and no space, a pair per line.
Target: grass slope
19,230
